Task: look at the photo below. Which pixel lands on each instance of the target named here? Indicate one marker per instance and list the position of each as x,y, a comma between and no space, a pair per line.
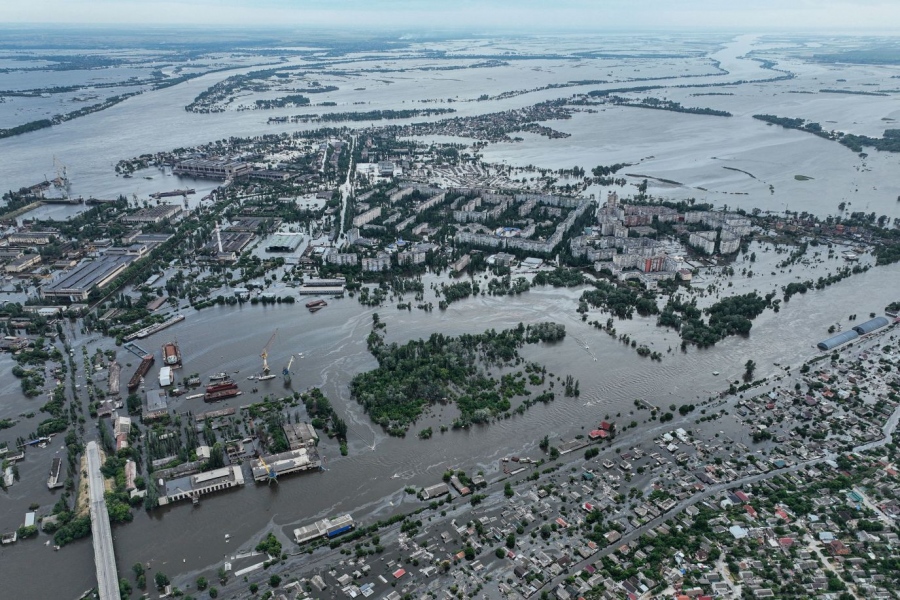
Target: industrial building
76,285
153,214
326,527
330,282
284,242
233,242
434,491
300,435
23,263
156,401
194,486
254,224
851,334
285,463
212,168
30,238
871,325
837,340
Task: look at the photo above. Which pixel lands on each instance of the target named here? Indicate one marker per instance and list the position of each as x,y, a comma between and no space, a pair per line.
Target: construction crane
286,372
270,472
265,354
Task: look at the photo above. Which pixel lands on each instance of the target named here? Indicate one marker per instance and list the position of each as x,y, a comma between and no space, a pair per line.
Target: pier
173,193
142,333
101,532
136,350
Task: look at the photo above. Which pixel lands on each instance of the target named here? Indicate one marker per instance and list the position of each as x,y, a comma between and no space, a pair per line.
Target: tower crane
265,354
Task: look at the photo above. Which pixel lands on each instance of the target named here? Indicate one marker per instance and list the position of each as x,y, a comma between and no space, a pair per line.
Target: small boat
265,377
218,376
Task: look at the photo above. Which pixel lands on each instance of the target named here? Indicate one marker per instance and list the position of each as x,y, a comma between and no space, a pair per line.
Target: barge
142,370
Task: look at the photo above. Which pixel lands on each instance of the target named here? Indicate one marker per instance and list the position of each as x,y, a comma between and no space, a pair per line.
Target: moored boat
171,355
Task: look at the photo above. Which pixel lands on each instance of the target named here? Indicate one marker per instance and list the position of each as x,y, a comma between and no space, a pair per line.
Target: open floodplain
733,161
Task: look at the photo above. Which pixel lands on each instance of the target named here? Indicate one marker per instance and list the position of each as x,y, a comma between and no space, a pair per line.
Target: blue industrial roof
871,325
837,340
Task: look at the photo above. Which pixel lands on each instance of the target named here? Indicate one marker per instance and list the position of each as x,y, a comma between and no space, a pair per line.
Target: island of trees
889,142
460,370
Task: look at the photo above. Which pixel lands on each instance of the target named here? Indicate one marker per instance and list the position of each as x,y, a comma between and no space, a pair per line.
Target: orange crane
265,354
270,472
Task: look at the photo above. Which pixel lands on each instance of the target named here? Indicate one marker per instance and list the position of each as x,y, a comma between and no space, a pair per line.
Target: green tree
161,579
749,369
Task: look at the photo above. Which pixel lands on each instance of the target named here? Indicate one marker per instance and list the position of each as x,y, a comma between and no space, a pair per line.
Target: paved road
346,190
104,555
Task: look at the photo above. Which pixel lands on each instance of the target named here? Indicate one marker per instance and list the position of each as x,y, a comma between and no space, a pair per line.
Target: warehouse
76,285
871,325
837,340
284,242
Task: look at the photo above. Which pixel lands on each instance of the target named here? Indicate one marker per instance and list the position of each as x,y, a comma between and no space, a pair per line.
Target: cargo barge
317,304
142,370
171,355
228,384
221,395
142,333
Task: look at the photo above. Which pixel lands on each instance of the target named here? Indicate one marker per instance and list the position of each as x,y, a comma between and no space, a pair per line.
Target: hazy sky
472,15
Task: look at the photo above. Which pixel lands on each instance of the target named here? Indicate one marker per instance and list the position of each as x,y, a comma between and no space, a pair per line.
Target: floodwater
690,149
333,344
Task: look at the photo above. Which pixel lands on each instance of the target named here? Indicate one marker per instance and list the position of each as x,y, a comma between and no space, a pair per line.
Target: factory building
76,285
212,168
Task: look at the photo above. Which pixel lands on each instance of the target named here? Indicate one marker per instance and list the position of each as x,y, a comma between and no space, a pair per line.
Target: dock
292,461
136,350
53,481
213,414
325,528
146,331
187,192
193,486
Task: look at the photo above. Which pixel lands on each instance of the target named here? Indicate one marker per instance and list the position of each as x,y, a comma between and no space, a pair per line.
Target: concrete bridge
104,555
